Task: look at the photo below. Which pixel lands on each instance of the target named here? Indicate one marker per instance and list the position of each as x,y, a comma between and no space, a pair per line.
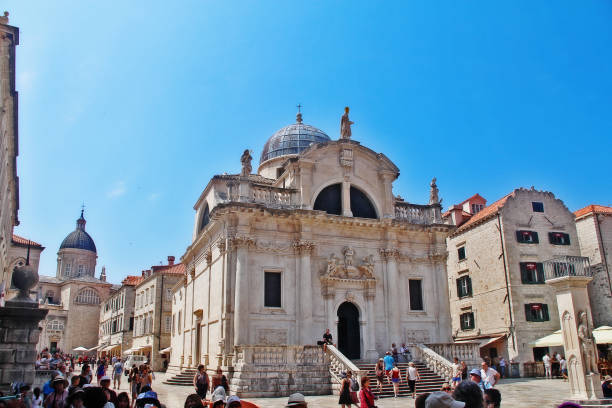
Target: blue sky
131,107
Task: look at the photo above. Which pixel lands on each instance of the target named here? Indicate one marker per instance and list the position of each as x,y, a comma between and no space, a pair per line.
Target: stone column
390,256
331,315
371,354
569,276
346,199
304,249
241,300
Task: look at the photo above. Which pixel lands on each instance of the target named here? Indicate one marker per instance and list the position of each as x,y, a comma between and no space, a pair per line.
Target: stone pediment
346,273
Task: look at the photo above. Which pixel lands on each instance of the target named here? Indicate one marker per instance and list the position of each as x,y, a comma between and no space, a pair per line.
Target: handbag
354,398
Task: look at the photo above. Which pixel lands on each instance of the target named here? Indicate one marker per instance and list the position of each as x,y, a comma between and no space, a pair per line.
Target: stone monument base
19,333
279,371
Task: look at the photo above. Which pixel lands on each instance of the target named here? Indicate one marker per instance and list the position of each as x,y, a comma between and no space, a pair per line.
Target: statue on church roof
433,193
345,125
245,159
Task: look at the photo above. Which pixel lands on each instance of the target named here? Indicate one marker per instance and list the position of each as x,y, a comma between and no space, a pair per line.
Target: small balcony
567,266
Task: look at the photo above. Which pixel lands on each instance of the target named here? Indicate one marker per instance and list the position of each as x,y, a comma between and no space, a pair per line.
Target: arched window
88,296
330,200
205,219
361,206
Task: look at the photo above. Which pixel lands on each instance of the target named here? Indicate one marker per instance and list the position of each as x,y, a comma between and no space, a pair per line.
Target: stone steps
185,378
429,382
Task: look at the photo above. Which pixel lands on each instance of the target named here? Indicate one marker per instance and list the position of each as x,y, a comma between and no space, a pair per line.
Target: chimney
143,274
103,274
170,260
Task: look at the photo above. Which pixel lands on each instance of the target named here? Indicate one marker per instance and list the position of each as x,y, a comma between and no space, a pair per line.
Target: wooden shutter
459,288
524,276
545,312
540,272
469,285
534,235
519,236
528,312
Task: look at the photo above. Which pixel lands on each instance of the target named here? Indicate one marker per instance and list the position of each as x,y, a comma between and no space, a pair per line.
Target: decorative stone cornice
241,242
303,247
208,256
389,254
222,247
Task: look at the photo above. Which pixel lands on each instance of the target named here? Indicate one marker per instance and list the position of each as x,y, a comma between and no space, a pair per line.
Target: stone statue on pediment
367,267
332,265
345,125
348,256
245,159
433,193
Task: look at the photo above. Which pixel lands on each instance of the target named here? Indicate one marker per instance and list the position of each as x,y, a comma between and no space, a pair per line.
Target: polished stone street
524,393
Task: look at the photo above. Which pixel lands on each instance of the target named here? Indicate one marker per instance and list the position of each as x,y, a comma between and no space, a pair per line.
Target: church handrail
468,351
434,361
339,363
416,213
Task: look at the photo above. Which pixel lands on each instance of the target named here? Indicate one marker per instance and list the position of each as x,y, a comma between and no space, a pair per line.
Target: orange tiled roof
176,269
593,208
485,213
24,241
131,280
468,199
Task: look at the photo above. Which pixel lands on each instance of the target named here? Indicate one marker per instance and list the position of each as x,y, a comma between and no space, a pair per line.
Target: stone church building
315,239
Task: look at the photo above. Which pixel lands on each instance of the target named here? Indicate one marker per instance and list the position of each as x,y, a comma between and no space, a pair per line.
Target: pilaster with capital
241,245
390,257
303,250
371,353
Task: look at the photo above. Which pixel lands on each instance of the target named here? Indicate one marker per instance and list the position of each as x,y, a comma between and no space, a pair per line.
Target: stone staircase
429,382
185,378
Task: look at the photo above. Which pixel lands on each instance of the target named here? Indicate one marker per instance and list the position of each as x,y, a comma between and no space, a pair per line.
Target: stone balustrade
434,361
339,363
278,371
417,214
468,352
271,196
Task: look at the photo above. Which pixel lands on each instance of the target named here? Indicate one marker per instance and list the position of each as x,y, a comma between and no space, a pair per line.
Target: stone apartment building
594,227
153,311
117,319
495,274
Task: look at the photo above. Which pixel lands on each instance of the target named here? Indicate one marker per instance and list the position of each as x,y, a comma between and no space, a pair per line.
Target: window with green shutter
536,312
532,273
466,321
527,237
464,286
558,238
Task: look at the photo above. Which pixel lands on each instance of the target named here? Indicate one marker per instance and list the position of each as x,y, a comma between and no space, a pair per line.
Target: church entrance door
349,341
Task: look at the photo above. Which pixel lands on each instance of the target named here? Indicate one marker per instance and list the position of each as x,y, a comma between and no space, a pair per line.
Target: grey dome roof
79,238
292,139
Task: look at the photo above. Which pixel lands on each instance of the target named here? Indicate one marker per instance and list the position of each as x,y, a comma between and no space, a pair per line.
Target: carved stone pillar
304,250
331,315
346,199
241,300
371,354
390,256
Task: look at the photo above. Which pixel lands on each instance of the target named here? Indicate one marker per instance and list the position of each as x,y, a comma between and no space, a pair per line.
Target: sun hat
218,394
440,399
476,372
233,398
105,378
295,399
607,378
58,379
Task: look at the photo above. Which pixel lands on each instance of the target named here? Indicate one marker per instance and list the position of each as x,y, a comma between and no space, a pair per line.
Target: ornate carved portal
344,274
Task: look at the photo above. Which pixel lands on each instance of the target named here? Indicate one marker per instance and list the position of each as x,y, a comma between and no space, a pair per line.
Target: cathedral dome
79,239
292,139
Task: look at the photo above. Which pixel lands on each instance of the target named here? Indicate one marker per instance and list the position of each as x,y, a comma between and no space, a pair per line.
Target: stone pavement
521,392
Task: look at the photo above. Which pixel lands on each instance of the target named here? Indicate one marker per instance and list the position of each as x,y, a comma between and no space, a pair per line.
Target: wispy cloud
118,190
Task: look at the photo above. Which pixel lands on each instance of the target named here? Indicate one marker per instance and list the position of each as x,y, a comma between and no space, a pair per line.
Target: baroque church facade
73,296
315,239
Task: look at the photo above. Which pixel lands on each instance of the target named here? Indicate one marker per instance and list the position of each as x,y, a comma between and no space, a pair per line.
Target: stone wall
18,337
279,371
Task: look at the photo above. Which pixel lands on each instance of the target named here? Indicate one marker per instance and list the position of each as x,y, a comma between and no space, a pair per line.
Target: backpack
354,385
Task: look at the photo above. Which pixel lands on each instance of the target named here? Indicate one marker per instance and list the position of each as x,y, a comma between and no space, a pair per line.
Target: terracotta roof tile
484,214
131,280
593,208
176,269
24,241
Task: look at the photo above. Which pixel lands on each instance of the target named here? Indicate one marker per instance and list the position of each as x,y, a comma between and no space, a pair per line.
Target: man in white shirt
546,361
488,374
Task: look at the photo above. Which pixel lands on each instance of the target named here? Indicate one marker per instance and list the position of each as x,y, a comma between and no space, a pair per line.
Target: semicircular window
205,218
330,200
361,206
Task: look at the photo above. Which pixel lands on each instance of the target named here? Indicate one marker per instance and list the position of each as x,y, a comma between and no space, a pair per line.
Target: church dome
79,239
292,139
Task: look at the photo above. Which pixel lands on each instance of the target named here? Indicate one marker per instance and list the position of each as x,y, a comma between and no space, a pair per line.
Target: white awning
482,342
132,350
602,334
166,350
96,348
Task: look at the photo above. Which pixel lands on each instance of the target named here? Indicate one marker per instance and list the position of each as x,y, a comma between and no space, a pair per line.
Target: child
37,400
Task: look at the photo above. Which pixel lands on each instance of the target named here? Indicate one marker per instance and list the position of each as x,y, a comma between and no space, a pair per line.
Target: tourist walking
345,391
547,368
219,380
394,353
57,398
456,372
488,374
100,371
366,397
380,373
563,365
37,398
412,375
469,393
133,380
117,371
201,381
396,379
123,400
146,379
464,371
476,377
388,360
